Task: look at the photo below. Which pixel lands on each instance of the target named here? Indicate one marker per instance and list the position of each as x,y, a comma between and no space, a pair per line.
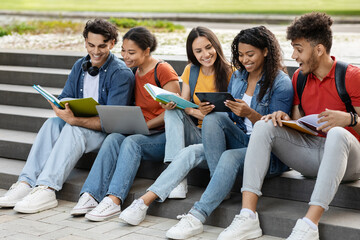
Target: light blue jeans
332,159
117,163
57,148
220,134
217,130
180,132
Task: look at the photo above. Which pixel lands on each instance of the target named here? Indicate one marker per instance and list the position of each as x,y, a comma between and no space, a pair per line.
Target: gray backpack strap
194,74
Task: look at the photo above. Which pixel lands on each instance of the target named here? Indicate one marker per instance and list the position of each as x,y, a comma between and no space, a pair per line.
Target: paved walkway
58,224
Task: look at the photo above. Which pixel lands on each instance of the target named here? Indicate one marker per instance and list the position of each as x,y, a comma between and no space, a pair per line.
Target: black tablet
217,99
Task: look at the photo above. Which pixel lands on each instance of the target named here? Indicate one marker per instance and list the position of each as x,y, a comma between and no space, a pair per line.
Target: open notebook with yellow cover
81,107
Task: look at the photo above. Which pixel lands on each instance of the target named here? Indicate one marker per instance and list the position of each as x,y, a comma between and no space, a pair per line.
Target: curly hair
261,38
103,27
142,37
315,27
221,65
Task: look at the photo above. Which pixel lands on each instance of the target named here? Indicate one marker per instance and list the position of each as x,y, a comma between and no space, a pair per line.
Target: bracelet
354,119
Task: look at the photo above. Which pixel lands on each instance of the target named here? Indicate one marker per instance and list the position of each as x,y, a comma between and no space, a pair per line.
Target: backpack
193,77
155,73
340,71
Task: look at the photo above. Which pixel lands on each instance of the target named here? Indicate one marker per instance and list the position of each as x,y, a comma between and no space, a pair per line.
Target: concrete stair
23,111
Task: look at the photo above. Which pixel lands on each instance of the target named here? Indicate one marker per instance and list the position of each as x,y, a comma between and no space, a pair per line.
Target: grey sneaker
302,231
188,226
135,213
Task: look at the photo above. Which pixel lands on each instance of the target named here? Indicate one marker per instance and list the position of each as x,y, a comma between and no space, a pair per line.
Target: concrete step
66,59
290,185
24,118
28,76
38,58
25,96
15,144
277,216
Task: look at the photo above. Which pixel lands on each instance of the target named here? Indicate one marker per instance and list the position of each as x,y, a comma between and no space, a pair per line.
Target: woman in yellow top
208,71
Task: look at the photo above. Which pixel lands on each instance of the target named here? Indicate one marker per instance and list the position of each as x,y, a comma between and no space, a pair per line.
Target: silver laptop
123,119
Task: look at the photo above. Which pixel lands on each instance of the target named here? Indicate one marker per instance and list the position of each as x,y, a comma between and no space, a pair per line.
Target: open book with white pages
306,124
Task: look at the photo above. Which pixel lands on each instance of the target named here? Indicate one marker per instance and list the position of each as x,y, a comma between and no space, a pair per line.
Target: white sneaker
242,227
16,192
39,199
180,190
85,204
106,209
188,226
135,213
302,231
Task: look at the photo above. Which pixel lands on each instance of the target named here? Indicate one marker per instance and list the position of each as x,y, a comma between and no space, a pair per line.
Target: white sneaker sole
129,220
47,206
251,235
184,236
95,218
81,211
9,204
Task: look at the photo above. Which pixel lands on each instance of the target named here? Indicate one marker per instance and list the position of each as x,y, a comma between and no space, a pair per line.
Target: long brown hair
221,65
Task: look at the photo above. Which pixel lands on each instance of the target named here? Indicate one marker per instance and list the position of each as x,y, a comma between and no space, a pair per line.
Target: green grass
38,27
157,25
335,7
62,26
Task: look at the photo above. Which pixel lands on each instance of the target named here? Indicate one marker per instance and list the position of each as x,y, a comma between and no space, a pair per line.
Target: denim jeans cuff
92,194
247,189
318,203
116,195
193,211
44,183
25,179
161,198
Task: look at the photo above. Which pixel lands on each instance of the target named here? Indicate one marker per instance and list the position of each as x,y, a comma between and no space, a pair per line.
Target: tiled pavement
58,224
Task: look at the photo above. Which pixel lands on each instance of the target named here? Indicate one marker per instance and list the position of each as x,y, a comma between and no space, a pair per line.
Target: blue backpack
194,74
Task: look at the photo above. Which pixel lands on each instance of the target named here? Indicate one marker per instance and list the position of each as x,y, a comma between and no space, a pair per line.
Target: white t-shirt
248,123
91,86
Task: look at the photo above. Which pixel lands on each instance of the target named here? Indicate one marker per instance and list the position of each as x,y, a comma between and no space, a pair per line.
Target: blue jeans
57,148
187,159
219,134
180,132
117,163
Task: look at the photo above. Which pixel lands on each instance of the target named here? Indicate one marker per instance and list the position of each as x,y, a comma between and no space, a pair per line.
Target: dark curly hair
315,27
103,27
261,38
221,65
142,37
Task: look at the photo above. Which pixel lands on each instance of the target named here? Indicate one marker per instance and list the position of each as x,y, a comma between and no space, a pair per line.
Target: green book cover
81,107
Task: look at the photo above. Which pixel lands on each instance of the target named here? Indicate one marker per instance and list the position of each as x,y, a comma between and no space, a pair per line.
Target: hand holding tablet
217,99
